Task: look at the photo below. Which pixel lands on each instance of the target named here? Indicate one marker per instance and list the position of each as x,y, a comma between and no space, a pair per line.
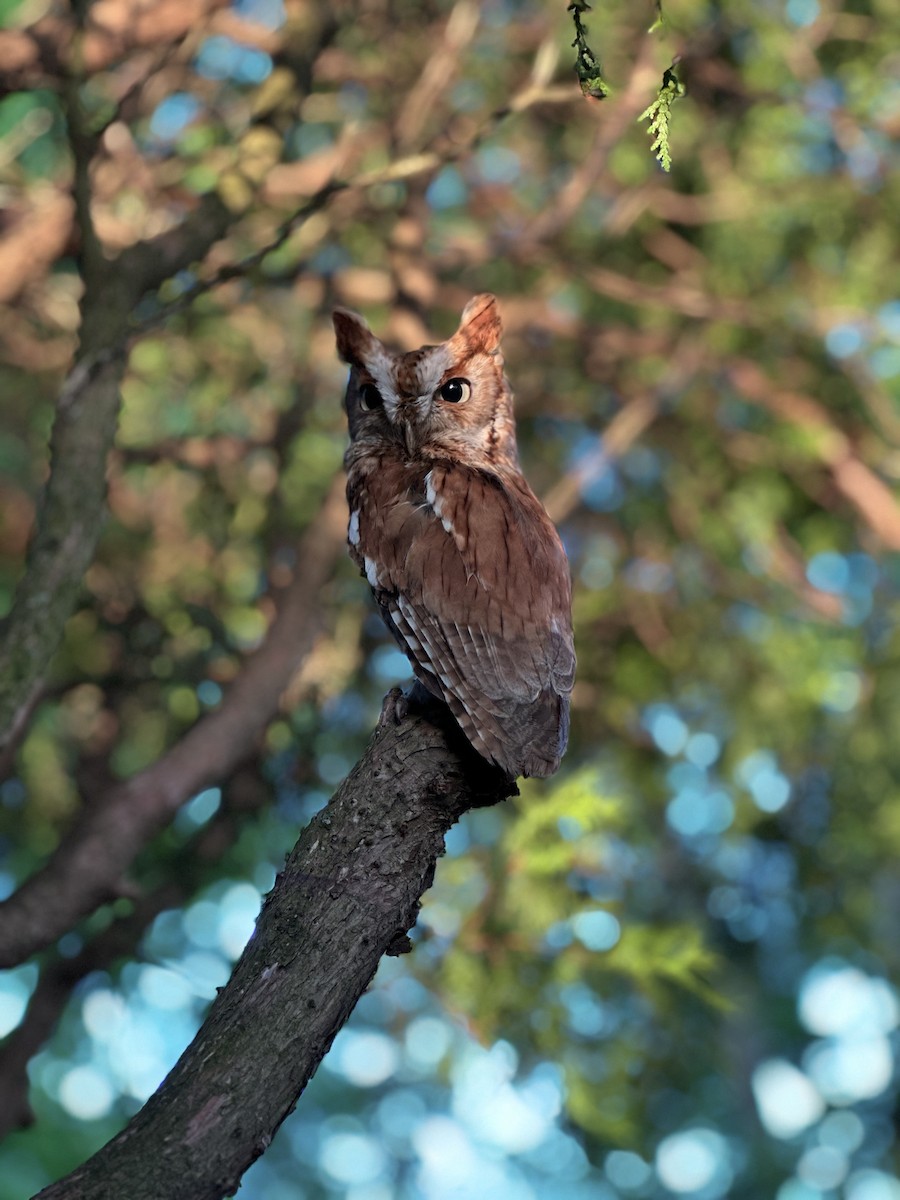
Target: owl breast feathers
467,569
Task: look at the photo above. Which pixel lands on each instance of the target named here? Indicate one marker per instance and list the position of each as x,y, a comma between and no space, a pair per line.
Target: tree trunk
348,894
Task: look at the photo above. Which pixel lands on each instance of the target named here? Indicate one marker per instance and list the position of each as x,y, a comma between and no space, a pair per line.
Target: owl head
450,400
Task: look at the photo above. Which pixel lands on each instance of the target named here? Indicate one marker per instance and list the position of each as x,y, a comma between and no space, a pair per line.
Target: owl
467,569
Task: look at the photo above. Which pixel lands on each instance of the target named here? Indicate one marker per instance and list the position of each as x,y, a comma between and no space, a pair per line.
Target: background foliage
666,971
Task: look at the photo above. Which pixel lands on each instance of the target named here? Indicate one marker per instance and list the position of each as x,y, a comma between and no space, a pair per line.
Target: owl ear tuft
355,340
480,323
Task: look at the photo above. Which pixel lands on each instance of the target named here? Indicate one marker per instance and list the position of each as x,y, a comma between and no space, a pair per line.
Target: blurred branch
426,162
184,876
612,121
33,239
856,482
37,56
620,434
72,509
875,396
50,997
68,527
624,429
88,866
438,72
683,297
83,145
237,270
70,517
349,891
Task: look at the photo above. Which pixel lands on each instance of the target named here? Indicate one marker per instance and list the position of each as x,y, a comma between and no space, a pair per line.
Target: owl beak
407,417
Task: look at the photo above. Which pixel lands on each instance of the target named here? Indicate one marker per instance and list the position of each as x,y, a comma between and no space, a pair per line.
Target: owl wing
473,581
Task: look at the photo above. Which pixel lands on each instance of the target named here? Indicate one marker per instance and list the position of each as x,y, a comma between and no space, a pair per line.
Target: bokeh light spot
597,930
172,115
829,572
666,728
802,12
786,1100
696,1160
836,999
759,773
198,810
869,1184
843,340
366,1058
427,1041
702,749
823,1167
15,989
86,1093
352,1158
626,1170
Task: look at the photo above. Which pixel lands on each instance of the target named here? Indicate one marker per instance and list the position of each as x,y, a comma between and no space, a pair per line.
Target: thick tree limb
349,892
88,866
68,528
73,505
195,863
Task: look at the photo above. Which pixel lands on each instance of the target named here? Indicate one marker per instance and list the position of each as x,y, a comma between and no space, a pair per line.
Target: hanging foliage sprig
594,85
587,65
659,114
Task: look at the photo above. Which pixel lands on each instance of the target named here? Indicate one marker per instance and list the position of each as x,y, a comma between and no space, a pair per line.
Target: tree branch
69,525
73,505
854,479
36,56
198,860
425,163
88,866
349,892
52,994
72,509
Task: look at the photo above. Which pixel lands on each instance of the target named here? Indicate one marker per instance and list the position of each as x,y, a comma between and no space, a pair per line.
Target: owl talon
394,709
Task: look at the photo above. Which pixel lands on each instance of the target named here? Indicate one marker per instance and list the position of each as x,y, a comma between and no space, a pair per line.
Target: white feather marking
353,529
437,506
371,571
431,370
380,366
431,495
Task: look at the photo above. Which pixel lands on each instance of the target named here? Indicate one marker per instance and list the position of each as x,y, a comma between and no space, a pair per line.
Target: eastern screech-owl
468,571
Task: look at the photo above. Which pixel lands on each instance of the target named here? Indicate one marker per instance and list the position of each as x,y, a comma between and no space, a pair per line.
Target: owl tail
526,739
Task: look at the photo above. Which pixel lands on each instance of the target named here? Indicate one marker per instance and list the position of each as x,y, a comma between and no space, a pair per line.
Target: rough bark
349,891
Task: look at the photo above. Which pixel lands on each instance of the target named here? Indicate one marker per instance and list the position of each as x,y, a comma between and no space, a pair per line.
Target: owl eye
454,391
370,397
